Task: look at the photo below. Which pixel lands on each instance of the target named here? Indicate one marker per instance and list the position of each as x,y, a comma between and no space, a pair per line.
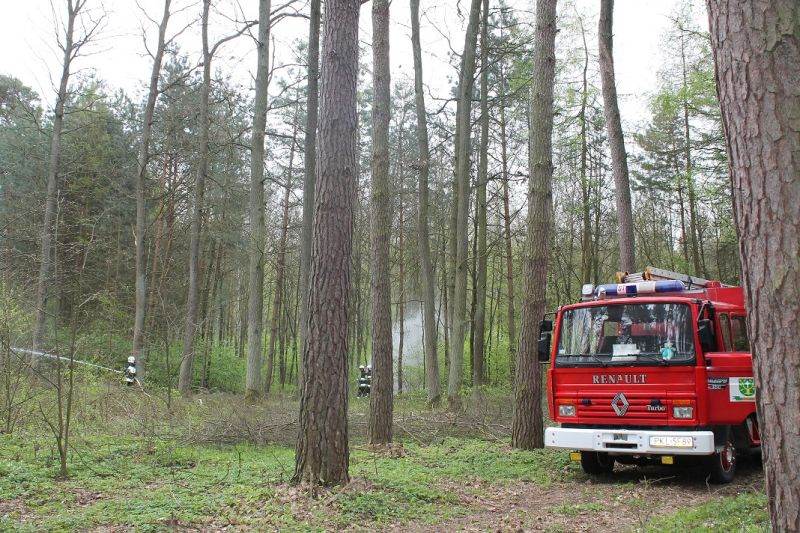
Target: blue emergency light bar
641,287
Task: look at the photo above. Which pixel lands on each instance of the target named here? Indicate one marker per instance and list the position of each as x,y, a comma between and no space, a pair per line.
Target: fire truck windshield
625,334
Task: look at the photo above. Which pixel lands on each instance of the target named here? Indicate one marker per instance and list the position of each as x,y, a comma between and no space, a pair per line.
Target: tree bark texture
190,327
141,207
427,276
322,448
616,139
526,430
462,194
380,396
255,299
757,54
310,162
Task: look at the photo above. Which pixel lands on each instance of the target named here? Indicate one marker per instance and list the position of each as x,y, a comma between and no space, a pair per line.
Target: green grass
744,512
128,482
134,464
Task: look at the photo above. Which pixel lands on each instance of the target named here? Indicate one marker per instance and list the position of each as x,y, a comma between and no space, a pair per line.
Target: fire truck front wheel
597,463
722,464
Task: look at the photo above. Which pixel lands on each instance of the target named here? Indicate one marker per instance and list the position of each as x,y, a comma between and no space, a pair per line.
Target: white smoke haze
413,348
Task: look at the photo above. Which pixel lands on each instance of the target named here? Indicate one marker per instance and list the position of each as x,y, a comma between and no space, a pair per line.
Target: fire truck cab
654,368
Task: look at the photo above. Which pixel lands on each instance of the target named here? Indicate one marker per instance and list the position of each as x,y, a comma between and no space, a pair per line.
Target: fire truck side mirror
545,326
544,347
705,330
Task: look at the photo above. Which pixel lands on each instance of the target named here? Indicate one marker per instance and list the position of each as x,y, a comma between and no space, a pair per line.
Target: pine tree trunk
462,193
526,430
479,355
757,54
380,397
322,447
255,305
190,329
619,158
141,213
427,275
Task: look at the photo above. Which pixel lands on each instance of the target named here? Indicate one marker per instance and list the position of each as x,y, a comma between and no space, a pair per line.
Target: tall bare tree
310,156
70,48
510,311
586,211
688,164
427,275
380,398
526,431
278,298
141,206
322,447
616,139
255,306
757,67
190,326
479,327
192,297
461,207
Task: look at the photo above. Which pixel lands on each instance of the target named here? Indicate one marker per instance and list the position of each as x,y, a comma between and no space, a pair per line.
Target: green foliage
469,459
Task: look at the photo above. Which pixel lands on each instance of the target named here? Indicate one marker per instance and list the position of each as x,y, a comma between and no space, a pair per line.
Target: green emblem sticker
742,389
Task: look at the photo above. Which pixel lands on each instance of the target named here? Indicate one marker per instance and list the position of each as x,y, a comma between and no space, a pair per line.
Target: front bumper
628,441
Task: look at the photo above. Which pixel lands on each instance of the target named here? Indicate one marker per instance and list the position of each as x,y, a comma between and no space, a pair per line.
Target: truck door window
725,326
739,334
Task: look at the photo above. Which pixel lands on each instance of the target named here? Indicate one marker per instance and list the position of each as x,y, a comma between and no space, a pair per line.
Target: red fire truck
653,368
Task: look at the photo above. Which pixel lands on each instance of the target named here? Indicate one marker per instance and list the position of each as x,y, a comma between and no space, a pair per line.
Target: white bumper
628,441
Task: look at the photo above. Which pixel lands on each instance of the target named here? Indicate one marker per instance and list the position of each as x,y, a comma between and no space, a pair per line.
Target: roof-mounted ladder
656,274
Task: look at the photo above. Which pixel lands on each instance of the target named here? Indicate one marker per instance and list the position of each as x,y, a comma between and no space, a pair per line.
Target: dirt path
627,502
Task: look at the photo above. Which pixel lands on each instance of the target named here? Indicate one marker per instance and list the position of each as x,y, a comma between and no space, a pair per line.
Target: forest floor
215,464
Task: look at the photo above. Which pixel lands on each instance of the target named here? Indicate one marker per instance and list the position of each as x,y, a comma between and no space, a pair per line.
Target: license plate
619,436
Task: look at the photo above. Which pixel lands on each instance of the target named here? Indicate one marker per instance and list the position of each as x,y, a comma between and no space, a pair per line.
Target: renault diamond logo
620,404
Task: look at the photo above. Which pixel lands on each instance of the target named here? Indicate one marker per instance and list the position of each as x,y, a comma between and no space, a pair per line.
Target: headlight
566,409
682,412
664,441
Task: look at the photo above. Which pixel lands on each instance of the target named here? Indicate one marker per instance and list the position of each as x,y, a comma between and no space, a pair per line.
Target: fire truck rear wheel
722,464
597,463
